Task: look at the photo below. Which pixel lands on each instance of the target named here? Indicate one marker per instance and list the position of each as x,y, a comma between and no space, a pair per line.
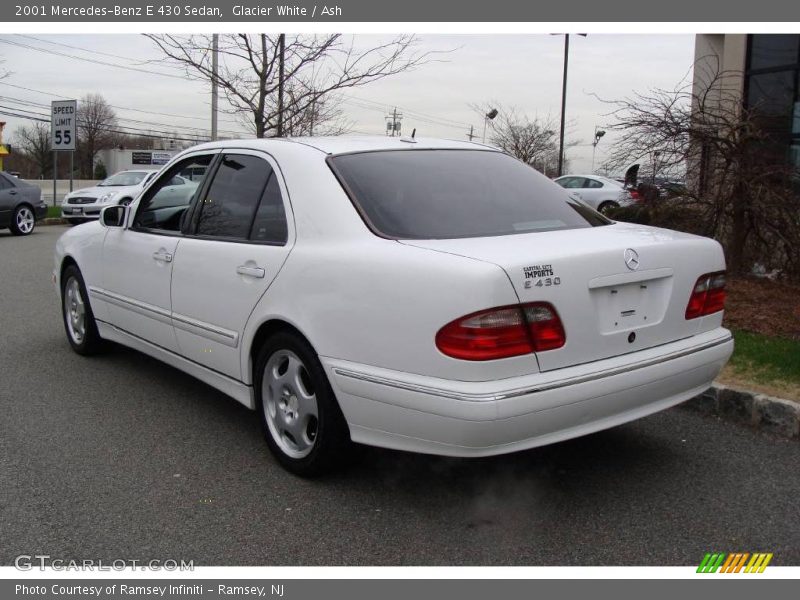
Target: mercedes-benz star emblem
631,259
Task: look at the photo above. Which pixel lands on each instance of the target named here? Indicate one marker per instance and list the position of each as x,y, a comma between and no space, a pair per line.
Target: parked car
601,193
21,205
121,188
422,295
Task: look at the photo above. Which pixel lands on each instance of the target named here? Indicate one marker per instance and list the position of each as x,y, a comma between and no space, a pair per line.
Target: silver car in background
601,193
121,188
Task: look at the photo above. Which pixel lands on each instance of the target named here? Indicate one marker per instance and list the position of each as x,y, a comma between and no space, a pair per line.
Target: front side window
168,199
228,208
440,194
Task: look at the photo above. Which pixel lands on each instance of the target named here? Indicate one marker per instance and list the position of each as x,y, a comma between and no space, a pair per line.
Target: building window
772,84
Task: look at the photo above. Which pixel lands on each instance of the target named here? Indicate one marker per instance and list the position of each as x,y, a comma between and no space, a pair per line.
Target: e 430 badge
540,276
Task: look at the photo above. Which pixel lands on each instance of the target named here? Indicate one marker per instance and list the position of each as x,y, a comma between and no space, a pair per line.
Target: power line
98,52
363,103
149,112
148,124
91,60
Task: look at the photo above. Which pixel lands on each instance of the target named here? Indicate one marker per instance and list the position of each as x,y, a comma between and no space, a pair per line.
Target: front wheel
22,221
79,320
303,425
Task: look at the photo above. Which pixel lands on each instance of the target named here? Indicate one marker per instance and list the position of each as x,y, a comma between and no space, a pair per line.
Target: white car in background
423,295
121,188
601,193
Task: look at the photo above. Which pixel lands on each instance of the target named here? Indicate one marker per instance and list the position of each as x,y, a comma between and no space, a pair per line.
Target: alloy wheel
290,404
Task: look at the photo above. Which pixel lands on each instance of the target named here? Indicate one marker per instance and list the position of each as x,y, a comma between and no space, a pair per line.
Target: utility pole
281,66
394,122
471,135
214,84
563,107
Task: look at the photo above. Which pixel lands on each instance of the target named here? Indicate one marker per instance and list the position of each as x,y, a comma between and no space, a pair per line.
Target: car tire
607,206
23,221
77,314
301,419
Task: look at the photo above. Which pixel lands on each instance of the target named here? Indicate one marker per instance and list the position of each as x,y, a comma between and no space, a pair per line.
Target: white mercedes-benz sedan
423,295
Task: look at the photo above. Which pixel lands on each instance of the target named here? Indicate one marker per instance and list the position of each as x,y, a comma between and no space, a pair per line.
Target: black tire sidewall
333,436
13,225
91,339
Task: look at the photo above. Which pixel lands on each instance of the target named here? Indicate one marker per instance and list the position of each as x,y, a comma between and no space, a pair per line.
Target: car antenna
413,133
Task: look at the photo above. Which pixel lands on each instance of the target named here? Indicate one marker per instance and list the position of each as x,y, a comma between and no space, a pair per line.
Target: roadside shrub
100,171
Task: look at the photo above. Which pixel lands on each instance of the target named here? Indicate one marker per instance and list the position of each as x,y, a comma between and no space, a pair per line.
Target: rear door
593,192
238,241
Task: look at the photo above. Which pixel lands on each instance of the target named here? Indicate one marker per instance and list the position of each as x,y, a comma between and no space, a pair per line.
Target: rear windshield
439,194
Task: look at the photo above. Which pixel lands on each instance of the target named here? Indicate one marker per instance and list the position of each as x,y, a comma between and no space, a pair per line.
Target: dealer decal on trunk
540,276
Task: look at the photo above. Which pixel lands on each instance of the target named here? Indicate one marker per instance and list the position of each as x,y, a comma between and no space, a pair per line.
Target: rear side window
440,194
593,184
233,197
269,225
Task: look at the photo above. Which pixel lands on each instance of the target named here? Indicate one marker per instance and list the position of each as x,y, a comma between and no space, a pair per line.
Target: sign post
63,134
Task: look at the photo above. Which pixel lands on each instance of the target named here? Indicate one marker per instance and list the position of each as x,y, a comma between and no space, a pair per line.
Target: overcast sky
523,71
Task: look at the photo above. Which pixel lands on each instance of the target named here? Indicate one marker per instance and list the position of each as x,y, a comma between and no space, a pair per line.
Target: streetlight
656,154
564,103
598,133
489,116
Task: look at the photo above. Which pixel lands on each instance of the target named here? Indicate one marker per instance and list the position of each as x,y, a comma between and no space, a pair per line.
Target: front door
138,260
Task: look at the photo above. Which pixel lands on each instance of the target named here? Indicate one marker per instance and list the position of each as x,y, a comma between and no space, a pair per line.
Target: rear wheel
22,221
79,320
303,425
607,206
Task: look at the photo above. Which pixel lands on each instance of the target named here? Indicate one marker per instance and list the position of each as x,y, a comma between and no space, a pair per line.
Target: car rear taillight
637,197
502,332
708,296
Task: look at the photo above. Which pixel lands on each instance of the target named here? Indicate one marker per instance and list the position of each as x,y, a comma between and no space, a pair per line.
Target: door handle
256,272
12,192
162,256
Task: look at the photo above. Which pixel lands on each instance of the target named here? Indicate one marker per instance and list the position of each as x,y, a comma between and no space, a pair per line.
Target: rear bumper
455,418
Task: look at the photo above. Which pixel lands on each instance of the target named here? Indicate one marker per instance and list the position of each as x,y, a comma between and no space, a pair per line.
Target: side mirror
114,216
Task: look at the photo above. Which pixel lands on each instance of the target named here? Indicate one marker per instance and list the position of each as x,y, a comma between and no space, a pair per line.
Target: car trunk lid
618,289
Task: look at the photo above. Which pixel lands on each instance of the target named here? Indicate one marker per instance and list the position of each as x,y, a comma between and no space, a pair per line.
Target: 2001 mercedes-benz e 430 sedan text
423,295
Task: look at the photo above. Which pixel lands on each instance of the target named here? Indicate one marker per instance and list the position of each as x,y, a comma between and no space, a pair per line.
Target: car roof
345,144
590,176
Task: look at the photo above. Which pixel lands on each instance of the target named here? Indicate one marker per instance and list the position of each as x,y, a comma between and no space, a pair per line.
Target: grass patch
765,363
53,212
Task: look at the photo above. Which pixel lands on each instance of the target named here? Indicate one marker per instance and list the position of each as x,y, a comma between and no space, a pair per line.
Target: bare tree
739,190
309,70
97,124
534,141
33,140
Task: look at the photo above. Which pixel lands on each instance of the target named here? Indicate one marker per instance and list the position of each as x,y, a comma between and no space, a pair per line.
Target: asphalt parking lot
121,457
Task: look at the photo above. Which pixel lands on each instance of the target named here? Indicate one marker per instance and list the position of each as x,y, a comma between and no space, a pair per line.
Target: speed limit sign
62,124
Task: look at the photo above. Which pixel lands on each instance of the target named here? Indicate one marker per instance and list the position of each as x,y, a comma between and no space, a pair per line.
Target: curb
52,221
773,415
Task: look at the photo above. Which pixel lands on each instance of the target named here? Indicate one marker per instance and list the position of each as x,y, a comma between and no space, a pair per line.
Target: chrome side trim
143,308
470,397
212,332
